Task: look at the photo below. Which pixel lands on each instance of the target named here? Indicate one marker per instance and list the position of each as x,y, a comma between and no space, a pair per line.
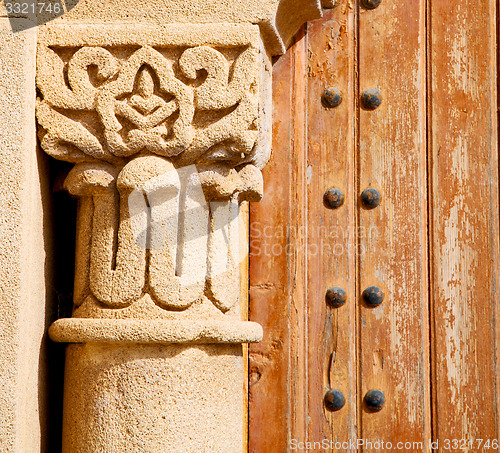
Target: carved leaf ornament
143,106
164,141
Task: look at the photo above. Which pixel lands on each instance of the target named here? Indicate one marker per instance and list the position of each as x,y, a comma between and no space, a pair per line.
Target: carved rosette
167,127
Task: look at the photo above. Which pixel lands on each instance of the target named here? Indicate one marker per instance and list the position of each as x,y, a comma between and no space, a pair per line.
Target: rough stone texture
168,126
279,20
149,398
22,255
159,89
180,257
164,107
78,330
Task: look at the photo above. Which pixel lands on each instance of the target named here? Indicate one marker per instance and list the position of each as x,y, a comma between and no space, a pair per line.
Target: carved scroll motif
147,102
164,139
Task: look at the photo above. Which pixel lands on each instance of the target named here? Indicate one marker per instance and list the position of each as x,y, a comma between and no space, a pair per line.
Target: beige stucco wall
23,245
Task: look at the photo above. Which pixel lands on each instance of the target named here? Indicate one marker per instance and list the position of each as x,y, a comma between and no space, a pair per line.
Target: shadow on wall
38,12
60,230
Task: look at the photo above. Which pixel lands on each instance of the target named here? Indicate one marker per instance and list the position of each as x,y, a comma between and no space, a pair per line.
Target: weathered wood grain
331,257
432,245
298,410
464,230
269,290
277,294
394,352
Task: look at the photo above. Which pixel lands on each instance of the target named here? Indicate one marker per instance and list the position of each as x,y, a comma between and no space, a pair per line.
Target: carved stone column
168,127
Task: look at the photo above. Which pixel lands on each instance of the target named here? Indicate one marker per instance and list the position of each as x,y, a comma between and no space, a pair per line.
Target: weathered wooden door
430,245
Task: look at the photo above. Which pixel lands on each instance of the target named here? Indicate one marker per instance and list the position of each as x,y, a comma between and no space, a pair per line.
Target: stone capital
164,108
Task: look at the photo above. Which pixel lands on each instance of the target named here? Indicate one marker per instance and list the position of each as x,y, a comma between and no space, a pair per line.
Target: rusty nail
370,4
370,198
332,97
374,400
334,400
336,297
373,296
371,99
334,198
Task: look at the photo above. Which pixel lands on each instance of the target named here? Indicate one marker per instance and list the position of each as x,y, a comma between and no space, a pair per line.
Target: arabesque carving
140,104
165,134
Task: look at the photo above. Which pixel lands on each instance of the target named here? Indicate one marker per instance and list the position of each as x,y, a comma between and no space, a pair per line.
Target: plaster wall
23,241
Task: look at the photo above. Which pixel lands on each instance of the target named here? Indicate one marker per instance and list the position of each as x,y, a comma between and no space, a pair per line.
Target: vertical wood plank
277,402
393,337
331,254
298,372
269,291
464,239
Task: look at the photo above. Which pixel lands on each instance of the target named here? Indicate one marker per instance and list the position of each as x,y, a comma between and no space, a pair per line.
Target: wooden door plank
298,374
277,402
393,355
331,256
464,239
269,290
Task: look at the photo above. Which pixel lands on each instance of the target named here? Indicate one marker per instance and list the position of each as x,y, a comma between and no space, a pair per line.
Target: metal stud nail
336,297
373,296
371,198
334,400
374,401
370,4
371,99
334,198
332,97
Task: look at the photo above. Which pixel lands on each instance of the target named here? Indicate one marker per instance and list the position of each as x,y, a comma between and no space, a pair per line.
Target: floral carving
200,106
164,136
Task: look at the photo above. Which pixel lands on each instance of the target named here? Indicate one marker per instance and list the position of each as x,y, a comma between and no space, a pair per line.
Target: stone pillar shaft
168,127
